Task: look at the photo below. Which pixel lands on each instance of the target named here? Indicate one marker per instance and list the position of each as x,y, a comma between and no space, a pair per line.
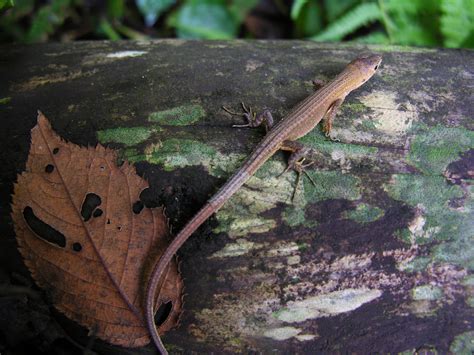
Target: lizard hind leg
317,84
298,162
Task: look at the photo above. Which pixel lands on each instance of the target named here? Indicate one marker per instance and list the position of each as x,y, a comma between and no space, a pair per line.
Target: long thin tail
232,185
260,154
162,266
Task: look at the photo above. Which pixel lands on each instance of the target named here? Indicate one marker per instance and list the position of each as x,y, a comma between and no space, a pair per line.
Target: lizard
321,106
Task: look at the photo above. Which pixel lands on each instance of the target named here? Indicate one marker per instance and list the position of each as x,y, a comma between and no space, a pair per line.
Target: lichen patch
252,65
390,118
240,247
325,305
282,333
178,116
59,77
426,292
125,54
306,337
264,191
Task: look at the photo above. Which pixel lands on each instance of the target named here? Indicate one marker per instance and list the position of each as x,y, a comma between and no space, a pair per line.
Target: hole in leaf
375,68
119,228
55,150
137,207
49,168
149,198
97,213
163,312
90,203
108,221
77,247
43,230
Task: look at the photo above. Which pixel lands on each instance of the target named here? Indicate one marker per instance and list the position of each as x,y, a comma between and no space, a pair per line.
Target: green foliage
297,8
448,23
240,8
47,19
106,29
205,19
457,21
355,18
307,17
152,9
335,9
6,4
115,8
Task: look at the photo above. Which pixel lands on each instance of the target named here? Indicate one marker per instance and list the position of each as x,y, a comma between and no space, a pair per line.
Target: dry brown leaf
87,238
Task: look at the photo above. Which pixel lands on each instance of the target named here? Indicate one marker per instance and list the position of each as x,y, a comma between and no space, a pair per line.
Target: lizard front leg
253,120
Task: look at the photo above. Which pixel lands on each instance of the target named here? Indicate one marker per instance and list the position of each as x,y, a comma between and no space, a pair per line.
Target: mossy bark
377,257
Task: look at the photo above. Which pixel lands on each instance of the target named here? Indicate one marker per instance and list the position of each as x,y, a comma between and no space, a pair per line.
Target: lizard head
366,66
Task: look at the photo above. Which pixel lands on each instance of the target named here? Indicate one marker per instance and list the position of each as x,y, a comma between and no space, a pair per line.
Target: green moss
178,153
415,265
463,344
264,191
433,149
294,216
132,155
408,352
320,143
178,116
5,100
355,107
457,251
302,246
468,283
365,213
331,185
126,135
432,195
404,235
426,292
368,125
468,280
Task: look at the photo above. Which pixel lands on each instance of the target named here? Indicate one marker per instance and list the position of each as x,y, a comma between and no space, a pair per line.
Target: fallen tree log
376,257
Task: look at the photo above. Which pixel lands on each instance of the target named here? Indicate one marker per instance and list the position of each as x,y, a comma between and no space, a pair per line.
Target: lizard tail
258,157
161,267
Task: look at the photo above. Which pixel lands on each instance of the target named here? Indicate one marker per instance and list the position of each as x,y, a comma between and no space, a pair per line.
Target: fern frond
334,9
296,8
377,37
414,34
356,18
408,6
457,21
